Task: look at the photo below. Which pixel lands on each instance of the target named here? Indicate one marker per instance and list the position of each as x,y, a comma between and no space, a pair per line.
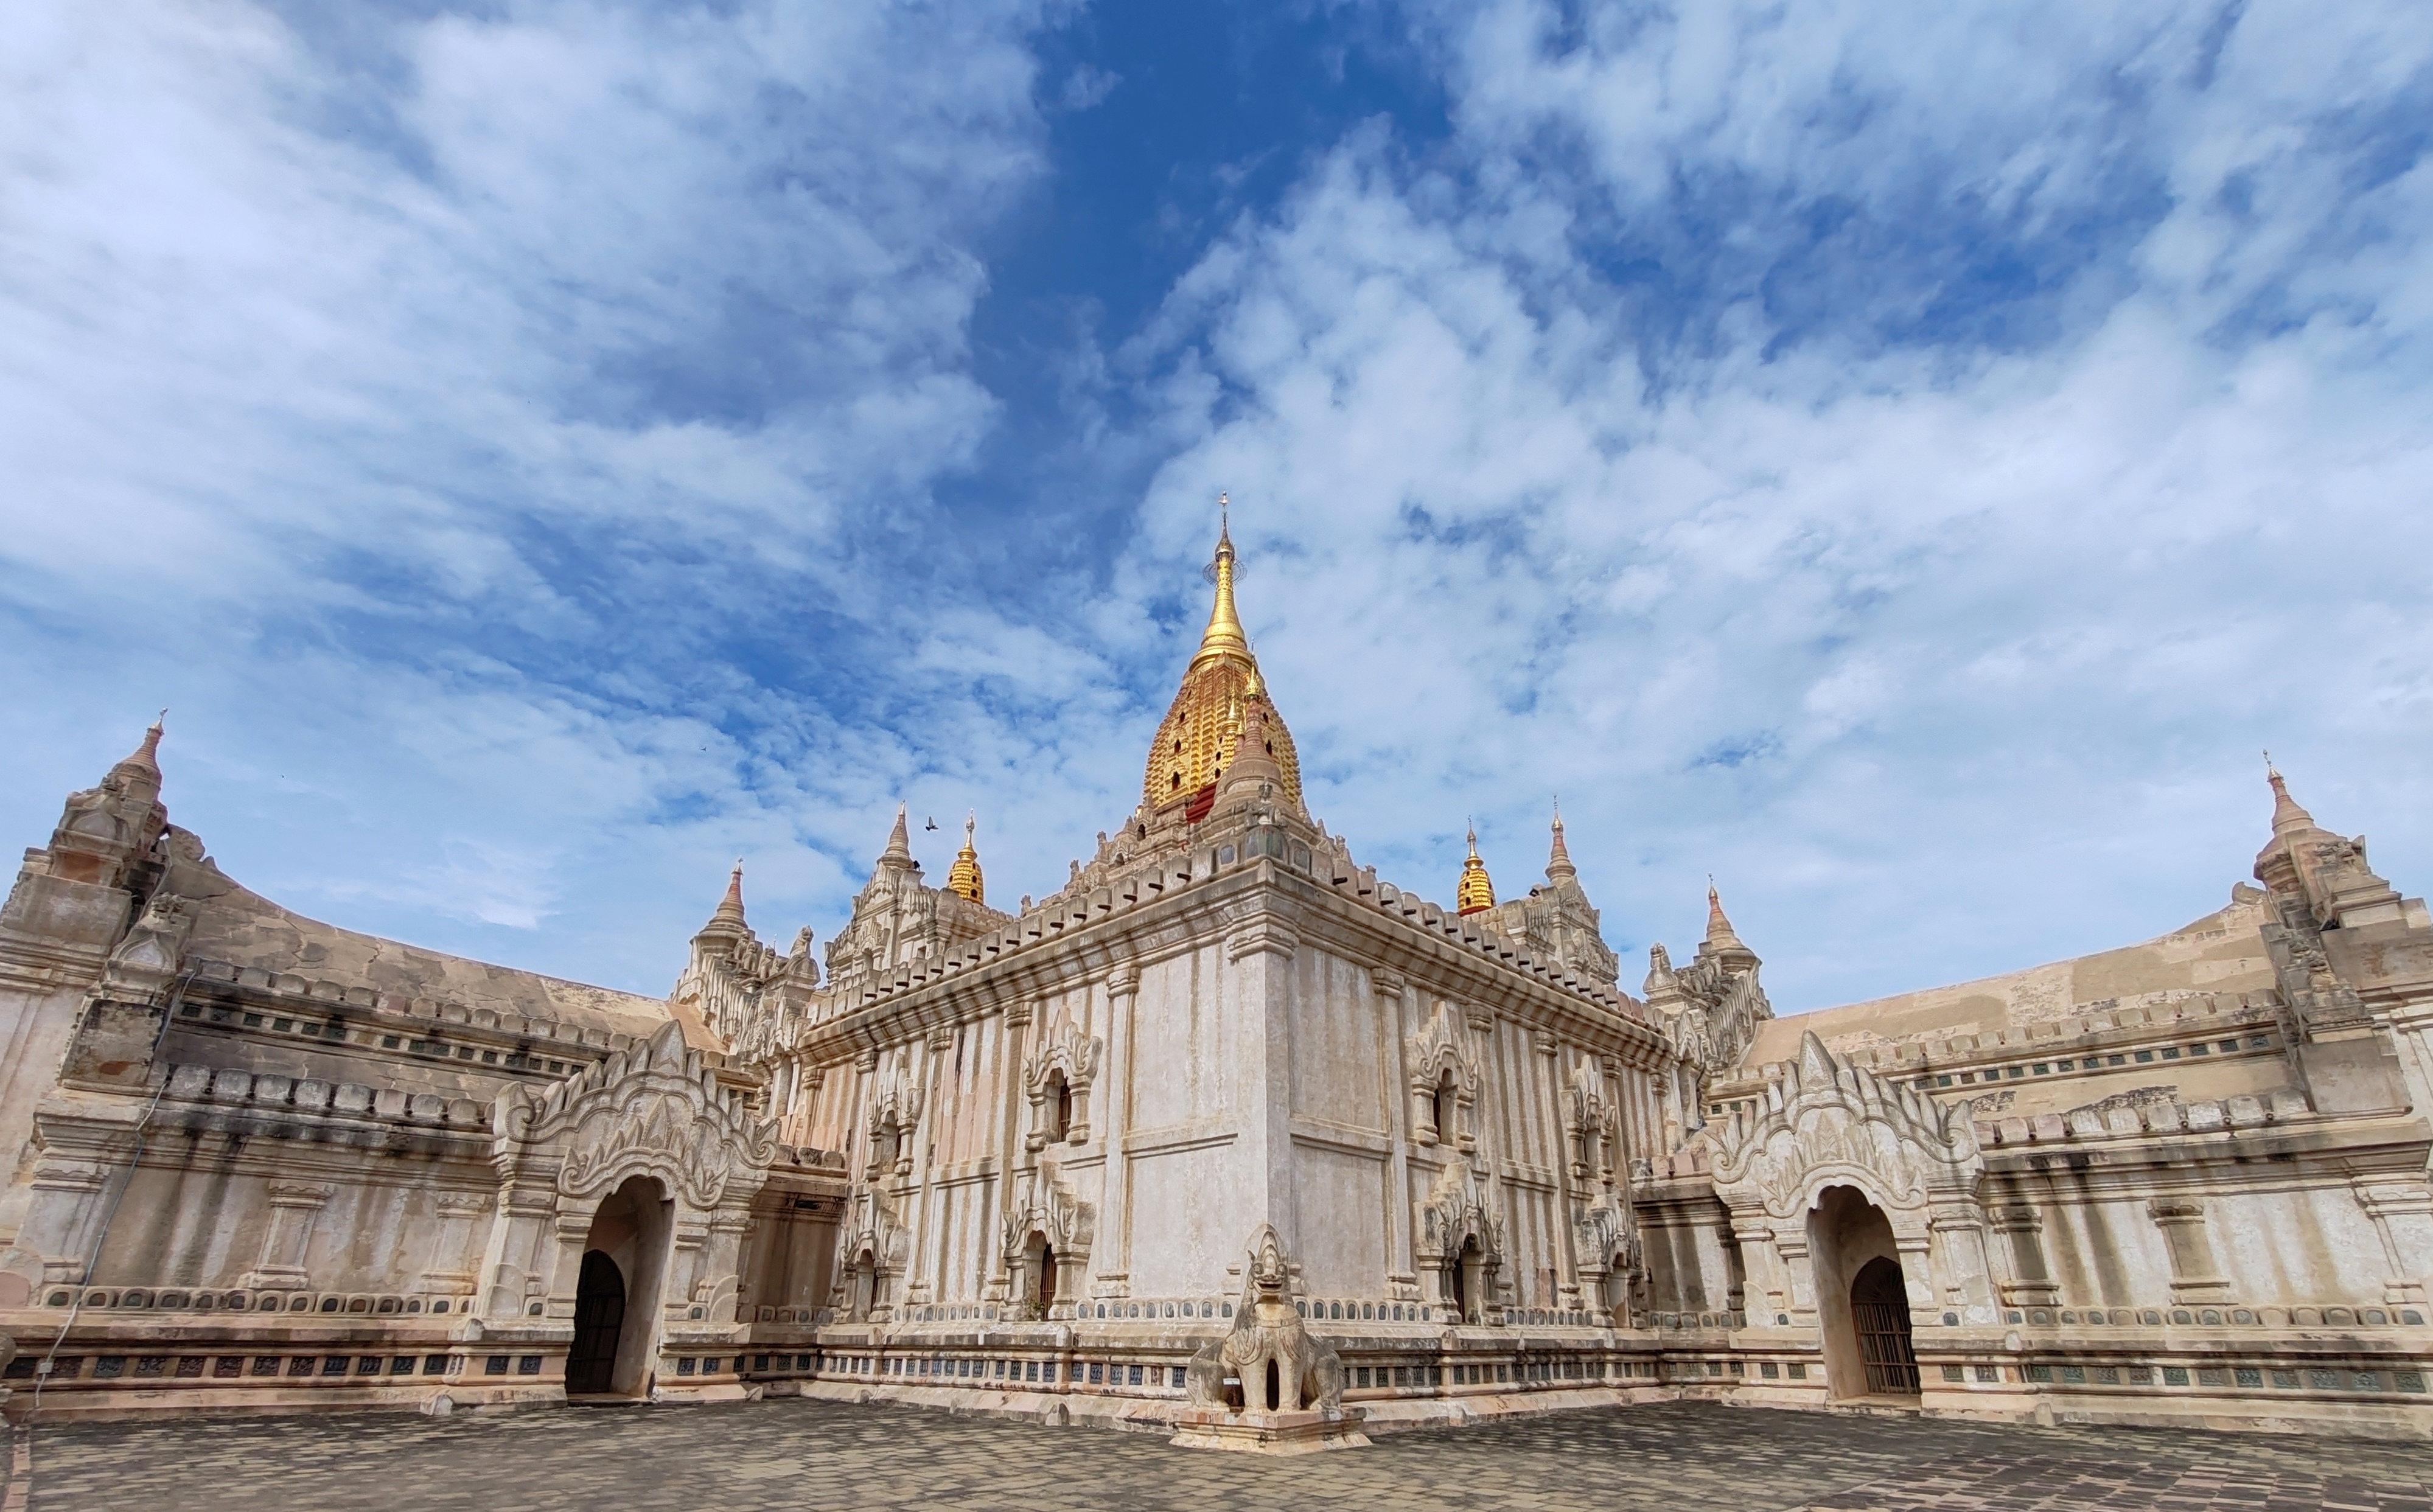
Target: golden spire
1223,637
1196,743
1476,893
963,878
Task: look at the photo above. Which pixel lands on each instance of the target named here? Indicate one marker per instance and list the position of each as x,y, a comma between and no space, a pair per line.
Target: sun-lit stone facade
1077,1159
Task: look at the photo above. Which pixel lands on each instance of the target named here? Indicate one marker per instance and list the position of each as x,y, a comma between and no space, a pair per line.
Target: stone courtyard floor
799,1453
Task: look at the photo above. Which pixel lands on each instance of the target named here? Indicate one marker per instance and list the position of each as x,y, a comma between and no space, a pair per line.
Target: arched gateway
628,1190
1853,1200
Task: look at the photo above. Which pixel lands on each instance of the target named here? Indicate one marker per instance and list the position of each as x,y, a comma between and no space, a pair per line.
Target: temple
1227,1124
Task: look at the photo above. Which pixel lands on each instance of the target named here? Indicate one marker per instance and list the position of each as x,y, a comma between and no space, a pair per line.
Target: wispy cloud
1901,460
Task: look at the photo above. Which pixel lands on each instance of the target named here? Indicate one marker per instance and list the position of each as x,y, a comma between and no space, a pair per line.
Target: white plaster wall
1191,1211
1340,1221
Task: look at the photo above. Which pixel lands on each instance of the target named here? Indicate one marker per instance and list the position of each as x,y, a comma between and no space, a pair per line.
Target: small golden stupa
963,878
1477,894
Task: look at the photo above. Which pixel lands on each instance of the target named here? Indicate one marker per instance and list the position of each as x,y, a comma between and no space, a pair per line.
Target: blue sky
1903,460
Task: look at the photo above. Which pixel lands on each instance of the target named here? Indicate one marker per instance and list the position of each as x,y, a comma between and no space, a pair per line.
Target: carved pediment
894,1104
1066,1049
1066,1222
1457,1210
1442,1044
651,1110
1825,1121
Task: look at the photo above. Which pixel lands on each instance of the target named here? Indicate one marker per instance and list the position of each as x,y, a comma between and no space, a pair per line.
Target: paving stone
799,1453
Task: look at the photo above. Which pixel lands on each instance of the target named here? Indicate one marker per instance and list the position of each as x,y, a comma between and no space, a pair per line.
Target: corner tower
1195,744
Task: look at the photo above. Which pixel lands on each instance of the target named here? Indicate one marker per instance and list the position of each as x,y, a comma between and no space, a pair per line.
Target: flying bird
933,820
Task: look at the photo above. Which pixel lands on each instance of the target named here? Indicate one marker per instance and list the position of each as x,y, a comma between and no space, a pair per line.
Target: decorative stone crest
1823,1122
1063,1052
1440,1050
652,1110
1593,1124
894,1112
1060,1222
1460,1238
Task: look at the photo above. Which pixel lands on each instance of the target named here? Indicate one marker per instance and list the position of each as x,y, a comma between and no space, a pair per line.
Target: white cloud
1947,650
1903,461
424,406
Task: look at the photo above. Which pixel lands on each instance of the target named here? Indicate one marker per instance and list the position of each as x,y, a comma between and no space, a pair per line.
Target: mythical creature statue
1278,1367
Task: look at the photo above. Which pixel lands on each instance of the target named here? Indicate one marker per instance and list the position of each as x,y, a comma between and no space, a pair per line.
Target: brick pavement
798,1453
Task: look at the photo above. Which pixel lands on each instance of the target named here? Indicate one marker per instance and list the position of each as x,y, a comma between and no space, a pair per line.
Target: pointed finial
729,919
1475,892
1721,938
899,844
1558,858
1224,639
2287,815
145,760
963,878
1718,928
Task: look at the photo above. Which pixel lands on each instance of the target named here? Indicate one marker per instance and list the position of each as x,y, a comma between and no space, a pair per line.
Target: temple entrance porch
617,1295
1862,1298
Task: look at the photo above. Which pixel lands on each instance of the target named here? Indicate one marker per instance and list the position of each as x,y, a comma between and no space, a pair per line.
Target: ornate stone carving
1269,1384
1056,1215
1456,1216
1439,1050
1826,1122
1063,1051
652,1110
1592,1124
894,1112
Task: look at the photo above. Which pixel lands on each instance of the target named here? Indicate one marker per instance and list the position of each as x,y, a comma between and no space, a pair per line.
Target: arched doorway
1047,1298
598,1315
862,1286
1466,1278
1855,1260
625,1256
1880,1317
1615,1294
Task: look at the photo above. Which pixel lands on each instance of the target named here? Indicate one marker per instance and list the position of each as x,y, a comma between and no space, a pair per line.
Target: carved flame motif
652,1110
1442,1046
1063,1049
1064,1220
1456,1211
1826,1119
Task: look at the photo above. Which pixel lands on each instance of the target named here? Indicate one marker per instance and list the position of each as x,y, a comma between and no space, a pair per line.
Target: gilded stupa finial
963,878
1196,743
1476,892
1224,638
